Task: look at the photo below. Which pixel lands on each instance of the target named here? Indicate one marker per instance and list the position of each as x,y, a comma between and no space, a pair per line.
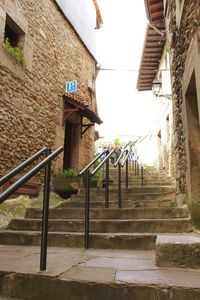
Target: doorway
67,159
193,142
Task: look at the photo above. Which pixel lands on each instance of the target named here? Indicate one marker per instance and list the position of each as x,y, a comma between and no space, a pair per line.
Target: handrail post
87,207
119,186
107,185
127,174
142,175
138,167
135,165
45,215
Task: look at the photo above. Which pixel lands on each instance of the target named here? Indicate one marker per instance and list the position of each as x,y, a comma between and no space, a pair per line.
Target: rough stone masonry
31,97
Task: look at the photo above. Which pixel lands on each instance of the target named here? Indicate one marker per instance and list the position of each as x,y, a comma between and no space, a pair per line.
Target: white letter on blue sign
71,86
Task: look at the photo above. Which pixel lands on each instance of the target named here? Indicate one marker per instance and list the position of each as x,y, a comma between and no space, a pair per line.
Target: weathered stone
178,250
31,98
183,27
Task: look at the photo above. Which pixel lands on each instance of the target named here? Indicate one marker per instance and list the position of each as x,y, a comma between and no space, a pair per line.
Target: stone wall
180,36
31,100
172,164
164,131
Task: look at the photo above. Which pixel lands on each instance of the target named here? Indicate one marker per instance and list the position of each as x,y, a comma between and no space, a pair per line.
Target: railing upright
107,185
127,174
135,166
45,215
119,164
9,191
119,186
142,175
87,208
86,172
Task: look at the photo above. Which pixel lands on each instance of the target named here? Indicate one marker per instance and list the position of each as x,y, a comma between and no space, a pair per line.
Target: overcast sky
124,110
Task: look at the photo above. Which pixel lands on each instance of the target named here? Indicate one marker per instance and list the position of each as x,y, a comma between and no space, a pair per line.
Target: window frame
16,30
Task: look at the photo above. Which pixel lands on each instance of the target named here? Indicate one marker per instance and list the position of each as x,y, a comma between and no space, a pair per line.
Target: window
16,49
13,33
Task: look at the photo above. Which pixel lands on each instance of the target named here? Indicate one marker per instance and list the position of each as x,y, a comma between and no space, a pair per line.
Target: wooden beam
67,113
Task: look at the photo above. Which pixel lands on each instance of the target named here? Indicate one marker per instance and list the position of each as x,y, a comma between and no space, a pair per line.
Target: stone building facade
183,27
164,128
33,103
155,65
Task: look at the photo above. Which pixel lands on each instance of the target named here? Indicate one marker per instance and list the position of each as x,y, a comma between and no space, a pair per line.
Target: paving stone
93,274
107,273
166,277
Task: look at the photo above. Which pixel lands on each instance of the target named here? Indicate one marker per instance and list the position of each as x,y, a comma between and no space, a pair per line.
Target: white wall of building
82,15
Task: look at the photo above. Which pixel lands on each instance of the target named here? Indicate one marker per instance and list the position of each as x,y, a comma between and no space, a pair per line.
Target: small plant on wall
96,179
16,52
66,183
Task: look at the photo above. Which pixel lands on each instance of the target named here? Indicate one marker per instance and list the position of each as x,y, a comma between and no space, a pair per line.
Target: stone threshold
93,274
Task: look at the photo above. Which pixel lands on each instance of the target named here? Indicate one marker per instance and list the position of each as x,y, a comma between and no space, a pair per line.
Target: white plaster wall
82,15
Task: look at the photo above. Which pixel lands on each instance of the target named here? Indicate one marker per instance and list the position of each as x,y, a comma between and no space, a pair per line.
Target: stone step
178,250
145,183
130,190
76,240
103,225
93,204
125,196
151,196
2,297
109,213
138,179
132,174
148,177
79,274
132,170
114,204
164,203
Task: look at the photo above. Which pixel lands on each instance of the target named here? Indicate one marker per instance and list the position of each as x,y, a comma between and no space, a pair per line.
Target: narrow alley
100,150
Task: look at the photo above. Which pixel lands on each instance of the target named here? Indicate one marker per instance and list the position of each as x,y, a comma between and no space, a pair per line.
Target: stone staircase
146,212
127,268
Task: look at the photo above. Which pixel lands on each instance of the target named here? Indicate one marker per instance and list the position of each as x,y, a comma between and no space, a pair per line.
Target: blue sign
71,86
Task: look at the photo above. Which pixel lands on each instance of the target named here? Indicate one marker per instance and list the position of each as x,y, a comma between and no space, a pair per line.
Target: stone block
195,214
178,250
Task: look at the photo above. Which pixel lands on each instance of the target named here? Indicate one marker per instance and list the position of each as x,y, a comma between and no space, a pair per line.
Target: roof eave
153,45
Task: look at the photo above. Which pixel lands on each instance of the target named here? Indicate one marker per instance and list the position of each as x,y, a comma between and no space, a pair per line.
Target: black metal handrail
124,155
92,163
22,166
5,194
126,161
102,162
140,167
118,161
88,174
105,161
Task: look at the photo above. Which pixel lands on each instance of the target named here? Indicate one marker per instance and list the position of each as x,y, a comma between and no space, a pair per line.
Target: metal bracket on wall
85,127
